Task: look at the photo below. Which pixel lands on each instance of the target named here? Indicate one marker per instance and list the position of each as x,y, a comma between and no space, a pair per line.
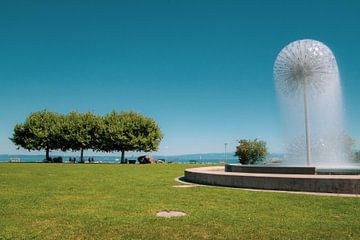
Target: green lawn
108,201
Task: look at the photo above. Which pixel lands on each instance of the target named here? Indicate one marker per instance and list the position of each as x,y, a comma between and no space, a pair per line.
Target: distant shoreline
206,158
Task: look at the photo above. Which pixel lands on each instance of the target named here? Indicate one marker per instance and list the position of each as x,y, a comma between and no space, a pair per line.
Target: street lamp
225,152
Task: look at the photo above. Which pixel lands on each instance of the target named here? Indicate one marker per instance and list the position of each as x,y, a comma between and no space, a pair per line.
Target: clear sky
201,68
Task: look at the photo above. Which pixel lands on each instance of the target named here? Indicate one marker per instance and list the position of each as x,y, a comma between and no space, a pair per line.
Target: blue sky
202,69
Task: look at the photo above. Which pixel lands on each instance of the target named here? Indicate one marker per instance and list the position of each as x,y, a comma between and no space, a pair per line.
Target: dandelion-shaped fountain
306,73
307,78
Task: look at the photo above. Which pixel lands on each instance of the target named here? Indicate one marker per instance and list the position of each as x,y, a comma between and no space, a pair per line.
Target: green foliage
251,151
349,148
349,144
128,131
40,131
357,156
125,131
79,132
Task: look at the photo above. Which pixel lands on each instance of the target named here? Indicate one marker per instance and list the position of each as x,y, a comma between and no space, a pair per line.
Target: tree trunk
82,155
122,156
47,157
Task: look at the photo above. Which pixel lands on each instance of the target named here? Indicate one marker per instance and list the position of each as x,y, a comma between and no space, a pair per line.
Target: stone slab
169,214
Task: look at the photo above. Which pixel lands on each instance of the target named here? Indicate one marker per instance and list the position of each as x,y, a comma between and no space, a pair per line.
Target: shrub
251,151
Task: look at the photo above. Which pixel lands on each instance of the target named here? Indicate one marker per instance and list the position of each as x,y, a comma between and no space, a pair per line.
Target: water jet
317,156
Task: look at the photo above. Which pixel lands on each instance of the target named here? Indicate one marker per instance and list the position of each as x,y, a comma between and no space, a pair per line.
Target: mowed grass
113,201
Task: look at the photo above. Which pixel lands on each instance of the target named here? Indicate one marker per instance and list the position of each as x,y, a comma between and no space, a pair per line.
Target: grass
108,201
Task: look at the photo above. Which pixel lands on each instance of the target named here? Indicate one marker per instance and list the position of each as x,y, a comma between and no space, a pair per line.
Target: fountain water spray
307,70
307,78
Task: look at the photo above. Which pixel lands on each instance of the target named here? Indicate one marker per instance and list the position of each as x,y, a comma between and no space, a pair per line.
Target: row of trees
116,131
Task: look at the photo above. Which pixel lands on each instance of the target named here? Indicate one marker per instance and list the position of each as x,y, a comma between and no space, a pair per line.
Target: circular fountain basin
269,169
348,170
276,178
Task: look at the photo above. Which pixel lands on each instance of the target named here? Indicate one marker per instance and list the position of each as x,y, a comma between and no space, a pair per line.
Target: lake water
114,159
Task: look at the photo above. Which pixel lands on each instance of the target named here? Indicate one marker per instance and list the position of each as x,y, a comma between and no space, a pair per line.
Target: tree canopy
79,132
40,131
251,151
116,131
128,131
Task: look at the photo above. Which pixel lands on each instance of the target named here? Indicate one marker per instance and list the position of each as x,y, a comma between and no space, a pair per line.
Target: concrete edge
215,171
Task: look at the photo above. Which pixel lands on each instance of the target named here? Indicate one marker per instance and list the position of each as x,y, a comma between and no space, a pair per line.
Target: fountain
317,156
308,85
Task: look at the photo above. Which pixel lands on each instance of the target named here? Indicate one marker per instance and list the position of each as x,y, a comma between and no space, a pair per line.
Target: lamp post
225,152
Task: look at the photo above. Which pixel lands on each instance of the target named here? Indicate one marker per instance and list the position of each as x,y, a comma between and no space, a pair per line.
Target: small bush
357,156
251,151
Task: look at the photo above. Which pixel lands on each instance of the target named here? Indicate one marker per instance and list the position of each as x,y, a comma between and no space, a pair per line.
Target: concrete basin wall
286,182
269,169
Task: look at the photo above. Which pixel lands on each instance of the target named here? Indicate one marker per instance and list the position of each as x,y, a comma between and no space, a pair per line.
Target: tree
128,131
79,132
357,156
40,131
251,151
